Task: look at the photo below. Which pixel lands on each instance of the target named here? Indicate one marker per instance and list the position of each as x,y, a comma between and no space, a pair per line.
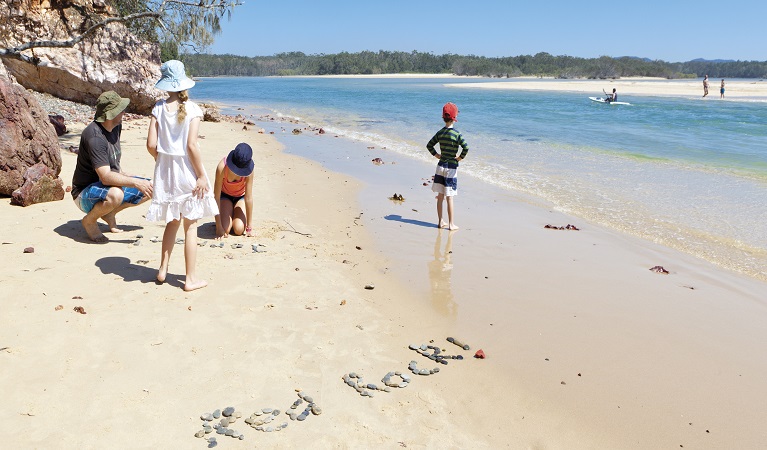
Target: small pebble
217,413
228,411
207,416
267,410
199,434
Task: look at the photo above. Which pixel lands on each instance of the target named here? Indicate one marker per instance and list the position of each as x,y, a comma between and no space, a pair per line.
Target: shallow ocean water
682,172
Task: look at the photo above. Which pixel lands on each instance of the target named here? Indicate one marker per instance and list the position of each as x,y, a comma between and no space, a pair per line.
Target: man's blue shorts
97,192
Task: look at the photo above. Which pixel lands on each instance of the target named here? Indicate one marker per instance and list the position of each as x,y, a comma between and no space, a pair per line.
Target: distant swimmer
705,85
721,89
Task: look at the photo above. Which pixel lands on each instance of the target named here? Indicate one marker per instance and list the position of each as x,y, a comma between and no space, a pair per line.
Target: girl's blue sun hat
174,77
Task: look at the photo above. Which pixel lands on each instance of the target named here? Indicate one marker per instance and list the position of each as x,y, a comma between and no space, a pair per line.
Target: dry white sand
742,90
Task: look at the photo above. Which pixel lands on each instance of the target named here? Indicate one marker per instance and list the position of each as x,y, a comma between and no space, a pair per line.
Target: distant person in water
99,186
721,89
446,177
612,97
705,85
233,191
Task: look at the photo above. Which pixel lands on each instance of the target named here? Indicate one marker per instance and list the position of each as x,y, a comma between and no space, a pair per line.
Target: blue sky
671,30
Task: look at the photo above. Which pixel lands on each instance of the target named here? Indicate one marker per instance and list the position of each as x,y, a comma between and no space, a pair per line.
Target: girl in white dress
181,187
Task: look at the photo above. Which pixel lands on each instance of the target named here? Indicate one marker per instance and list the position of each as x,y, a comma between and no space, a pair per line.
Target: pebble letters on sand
220,421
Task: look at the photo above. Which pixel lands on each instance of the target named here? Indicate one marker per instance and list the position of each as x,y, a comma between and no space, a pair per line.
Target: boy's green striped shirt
449,140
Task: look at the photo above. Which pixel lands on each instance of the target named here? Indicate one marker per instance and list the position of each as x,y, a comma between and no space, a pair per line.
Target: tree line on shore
389,62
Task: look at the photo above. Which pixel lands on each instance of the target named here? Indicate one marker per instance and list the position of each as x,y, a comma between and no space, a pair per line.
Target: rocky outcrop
210,113
111,59
26,137
40,185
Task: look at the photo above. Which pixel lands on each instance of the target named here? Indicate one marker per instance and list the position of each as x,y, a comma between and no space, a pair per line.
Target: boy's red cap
450,112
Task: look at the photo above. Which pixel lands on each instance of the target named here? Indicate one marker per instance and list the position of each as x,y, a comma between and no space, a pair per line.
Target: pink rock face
26,137
112,59
40,185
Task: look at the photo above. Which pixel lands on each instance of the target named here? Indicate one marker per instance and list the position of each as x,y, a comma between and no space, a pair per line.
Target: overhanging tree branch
184,16
76,40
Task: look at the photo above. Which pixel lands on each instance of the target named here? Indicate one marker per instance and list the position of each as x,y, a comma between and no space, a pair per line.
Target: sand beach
741,89
586,347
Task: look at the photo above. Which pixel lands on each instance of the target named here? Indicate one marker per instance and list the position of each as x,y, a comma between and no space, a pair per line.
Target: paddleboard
602,100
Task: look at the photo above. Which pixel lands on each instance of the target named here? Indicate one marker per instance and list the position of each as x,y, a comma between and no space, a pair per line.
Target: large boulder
111,59
26,137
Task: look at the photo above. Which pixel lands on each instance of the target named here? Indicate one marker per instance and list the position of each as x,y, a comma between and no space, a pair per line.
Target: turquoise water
687,173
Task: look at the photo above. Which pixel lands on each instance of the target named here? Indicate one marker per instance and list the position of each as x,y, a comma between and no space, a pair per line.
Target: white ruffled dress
174,176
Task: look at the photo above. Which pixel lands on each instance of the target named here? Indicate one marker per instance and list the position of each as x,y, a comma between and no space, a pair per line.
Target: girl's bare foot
193,285
162,273
94,233
452,227
442,225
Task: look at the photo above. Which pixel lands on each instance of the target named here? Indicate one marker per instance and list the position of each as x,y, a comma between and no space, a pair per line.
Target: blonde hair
183,96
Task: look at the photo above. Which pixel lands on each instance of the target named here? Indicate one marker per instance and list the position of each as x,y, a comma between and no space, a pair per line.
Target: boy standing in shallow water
445,179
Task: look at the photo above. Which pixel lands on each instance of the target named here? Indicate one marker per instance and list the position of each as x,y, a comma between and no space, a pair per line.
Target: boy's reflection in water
440,271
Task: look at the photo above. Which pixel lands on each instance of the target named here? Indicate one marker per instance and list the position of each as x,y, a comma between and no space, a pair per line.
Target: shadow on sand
121,266
74,230
420,223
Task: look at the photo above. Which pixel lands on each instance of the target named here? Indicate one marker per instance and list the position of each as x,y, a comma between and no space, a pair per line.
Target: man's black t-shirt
98,147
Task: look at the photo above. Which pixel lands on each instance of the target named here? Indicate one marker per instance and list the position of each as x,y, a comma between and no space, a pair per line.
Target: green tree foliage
145,29
540,64
179,22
